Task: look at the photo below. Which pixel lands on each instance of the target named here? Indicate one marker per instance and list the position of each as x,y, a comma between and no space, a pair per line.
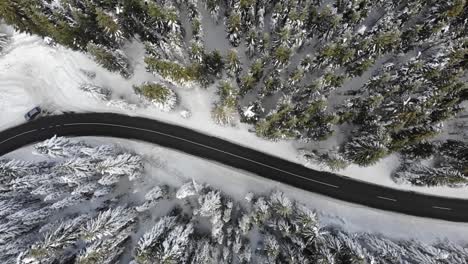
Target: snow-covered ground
33,73
175,168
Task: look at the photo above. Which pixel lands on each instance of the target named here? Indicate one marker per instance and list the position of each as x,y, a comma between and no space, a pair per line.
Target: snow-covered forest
355,80
80,203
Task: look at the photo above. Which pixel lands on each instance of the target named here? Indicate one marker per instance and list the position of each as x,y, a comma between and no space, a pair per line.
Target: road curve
212,148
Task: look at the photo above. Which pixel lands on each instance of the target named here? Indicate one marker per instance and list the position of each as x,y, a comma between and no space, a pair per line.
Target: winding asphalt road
212,148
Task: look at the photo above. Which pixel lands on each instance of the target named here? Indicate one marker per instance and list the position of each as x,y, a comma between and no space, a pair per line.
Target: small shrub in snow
50,42
223,115
249,197
85,188
103,191
152,198
186,114
89,74
145,206
158,95
96,92
224,112
156,193
189,189
331,159
251,113
121,104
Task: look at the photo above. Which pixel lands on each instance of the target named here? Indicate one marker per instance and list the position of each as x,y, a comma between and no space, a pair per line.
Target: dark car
33,113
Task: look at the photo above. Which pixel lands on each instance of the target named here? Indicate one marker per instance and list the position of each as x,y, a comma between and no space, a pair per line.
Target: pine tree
202,253
421,150
224,110
109,24
125,164
63,236
196,52
261,211
25,16
77,169
144,251
233,65
112,60
11,169
210,204
106,251
279,124
107,223
162,97
281,204
272,84
172,70
366,148
58,147
281,56
233,27
173,247
455,154
331,159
